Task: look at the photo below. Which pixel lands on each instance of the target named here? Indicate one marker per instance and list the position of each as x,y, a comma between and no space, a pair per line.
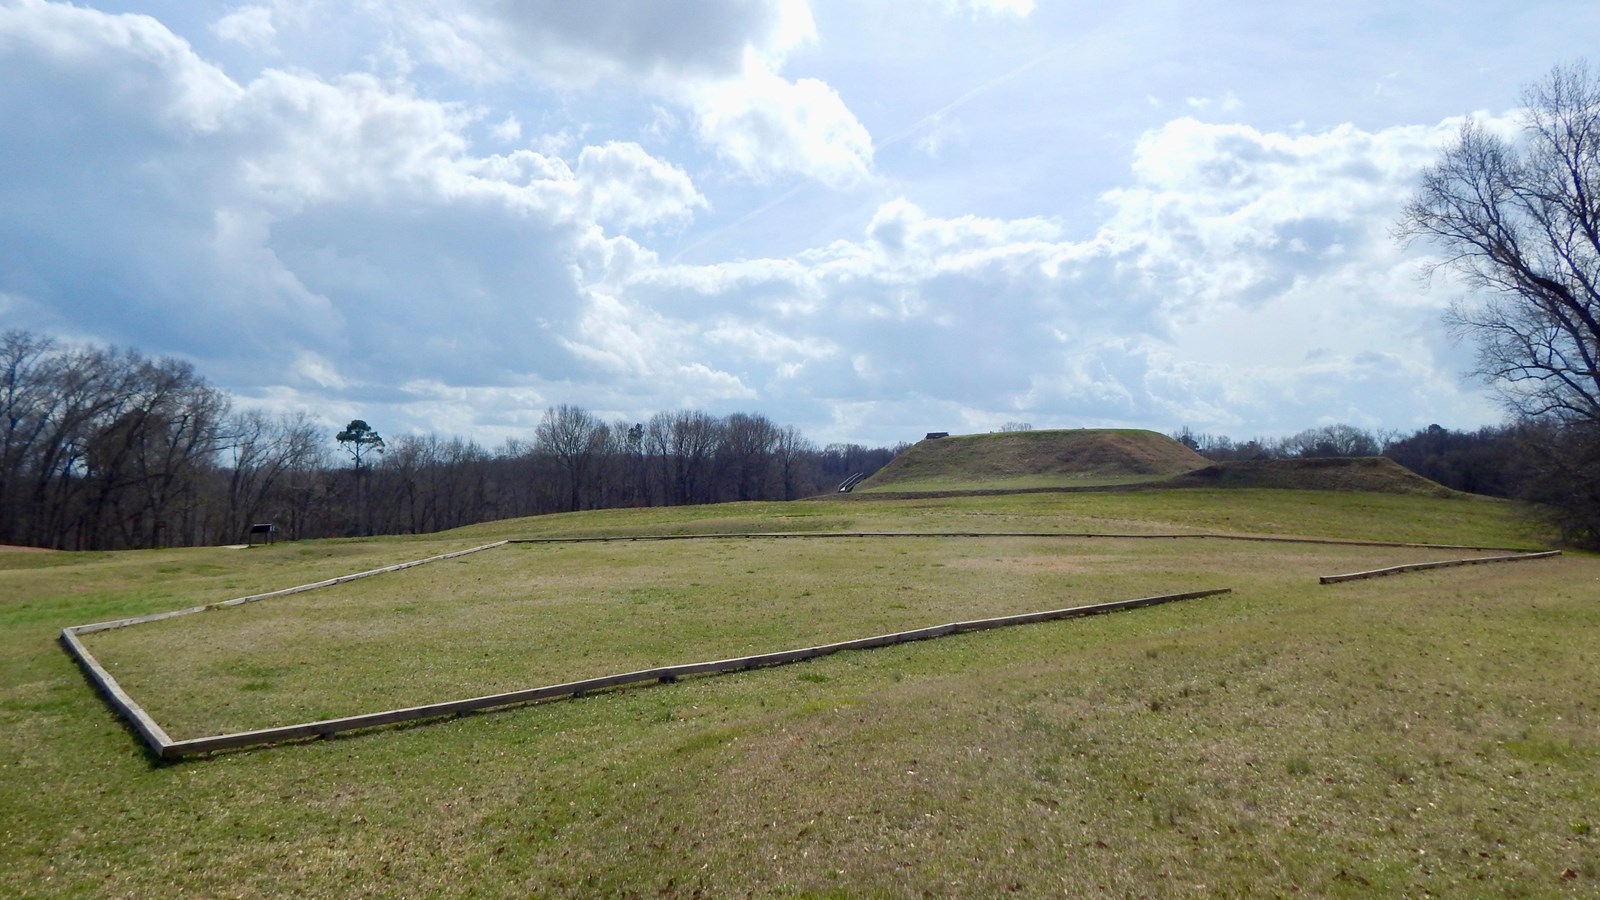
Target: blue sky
866,219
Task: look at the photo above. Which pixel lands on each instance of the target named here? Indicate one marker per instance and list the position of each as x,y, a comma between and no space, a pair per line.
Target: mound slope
1063,456
1363,473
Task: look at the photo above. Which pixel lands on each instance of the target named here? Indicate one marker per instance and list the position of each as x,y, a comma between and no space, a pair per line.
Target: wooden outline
1442,564
162,745
663,674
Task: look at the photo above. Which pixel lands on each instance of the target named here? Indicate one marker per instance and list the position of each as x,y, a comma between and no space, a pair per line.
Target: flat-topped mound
1362,473
1017,459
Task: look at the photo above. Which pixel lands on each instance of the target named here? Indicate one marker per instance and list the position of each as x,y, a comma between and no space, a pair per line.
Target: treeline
104,449
1495,460
1552,463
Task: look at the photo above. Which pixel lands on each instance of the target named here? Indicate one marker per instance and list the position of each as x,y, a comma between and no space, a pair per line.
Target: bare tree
745,455
572,435
105,448
1519,220
684,444
265,460
1331,440
792,452
26,372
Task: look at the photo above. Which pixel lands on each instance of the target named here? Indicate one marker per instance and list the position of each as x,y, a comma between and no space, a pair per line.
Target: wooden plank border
164,747
169,749
1205,535
252,598
1442,564
154,736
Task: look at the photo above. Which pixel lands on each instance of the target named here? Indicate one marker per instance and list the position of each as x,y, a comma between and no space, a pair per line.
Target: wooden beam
162,745
664,674
1442,564
152,734
297,589
1192,535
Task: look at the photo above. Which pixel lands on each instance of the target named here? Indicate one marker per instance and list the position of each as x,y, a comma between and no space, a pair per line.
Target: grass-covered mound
1034,459
1375,474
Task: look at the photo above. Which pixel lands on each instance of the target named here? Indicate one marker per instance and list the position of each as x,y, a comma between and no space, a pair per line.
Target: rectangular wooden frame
164,747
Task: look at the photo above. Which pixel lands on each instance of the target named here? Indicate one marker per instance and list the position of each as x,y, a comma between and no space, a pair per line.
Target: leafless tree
793,451
745,455
684,444
1331,440
261,462
572,436
105,448
1518,219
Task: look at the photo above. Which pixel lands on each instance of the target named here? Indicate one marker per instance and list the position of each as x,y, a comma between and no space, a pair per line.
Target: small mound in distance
1035,459
1375,474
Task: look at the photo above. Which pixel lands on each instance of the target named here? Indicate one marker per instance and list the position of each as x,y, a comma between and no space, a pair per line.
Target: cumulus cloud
250,26
508,130
1264,244
722,64
767,126
626,188
345,241
1231,255
343,227
1229,214
580,43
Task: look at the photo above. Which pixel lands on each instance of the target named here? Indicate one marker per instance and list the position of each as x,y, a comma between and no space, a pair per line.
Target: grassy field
529,615
1428,733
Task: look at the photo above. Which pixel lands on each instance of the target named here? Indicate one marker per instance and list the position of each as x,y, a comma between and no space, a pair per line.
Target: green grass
1428,733
1360,516
530,615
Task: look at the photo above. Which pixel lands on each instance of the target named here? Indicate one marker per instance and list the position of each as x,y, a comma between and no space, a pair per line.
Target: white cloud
940,133
721,64
1229,214
706,386
1019,8
463,243
560,143
509,130
344,226
315,140
755,340
249,26
315,371
625,187
580,43
1231,252
766,126
624,339
1229,102
158,77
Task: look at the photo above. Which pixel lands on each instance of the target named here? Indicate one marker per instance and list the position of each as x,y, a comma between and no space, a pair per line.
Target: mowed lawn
527,615
1432,732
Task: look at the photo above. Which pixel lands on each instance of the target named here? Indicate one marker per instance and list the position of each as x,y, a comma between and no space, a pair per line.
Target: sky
869,219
